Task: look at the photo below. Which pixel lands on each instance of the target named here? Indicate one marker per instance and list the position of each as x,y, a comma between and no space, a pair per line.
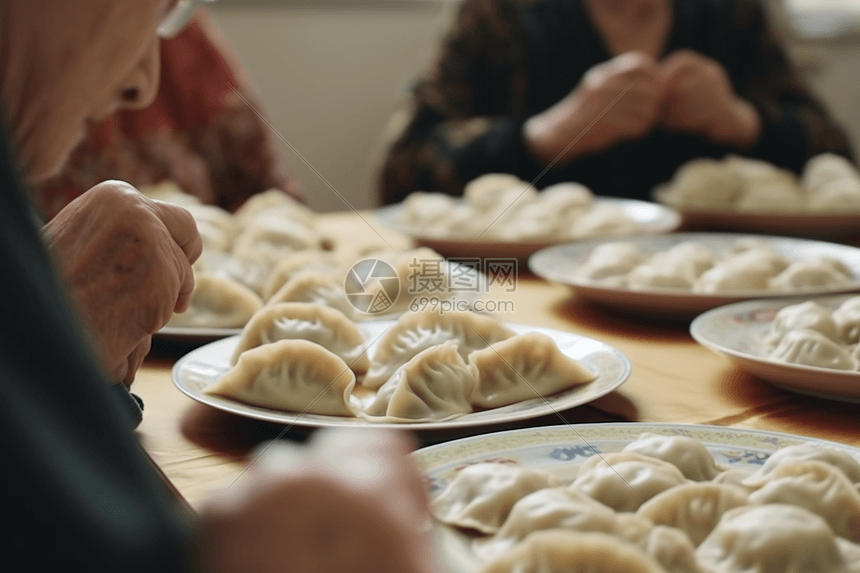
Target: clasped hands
687,92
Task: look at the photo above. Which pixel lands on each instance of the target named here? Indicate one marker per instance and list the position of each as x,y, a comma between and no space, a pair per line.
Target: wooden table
202,451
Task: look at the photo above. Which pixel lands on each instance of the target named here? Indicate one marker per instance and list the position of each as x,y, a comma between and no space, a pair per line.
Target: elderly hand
127,262
353,502
700,99
632,115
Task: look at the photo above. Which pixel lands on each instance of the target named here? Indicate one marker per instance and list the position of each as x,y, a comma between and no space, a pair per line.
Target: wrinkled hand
700,99
632,115
127,262
353,502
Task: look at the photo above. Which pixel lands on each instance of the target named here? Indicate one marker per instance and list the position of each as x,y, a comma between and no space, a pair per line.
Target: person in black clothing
78,494
614,94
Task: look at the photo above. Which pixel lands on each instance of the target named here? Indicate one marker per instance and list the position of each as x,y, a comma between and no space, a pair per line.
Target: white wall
329,75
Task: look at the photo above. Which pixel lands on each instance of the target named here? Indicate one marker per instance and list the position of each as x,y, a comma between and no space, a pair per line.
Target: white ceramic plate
737,330
560,262
803,224
559,448
653,218
194,334
203,366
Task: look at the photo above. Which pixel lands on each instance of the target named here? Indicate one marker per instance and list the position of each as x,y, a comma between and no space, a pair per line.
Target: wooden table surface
202,451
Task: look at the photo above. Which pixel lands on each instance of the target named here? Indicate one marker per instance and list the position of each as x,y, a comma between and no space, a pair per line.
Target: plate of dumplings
501,216
637,497
310,365
807,345
750,195
684,274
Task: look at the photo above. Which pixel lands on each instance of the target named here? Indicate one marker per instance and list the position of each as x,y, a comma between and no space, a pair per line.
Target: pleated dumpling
434,385
218,302
750,269
626,480
672,549
815,272
809,315
560,551
291,375
294,263
325,326
846,463
770,539
316,287
525,366
694,508
817,487
847,320
549,508
811,348
687,454
481,495
611,260
415,332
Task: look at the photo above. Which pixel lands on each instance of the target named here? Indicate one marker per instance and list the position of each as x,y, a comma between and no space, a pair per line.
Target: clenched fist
126,260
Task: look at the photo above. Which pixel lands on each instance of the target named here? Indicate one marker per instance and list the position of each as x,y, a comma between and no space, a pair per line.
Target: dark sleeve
466,116
78,494
795,125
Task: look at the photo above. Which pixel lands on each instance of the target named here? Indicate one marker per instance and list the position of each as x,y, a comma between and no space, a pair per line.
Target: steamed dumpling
434,385
847,320
839,196
704,183
686,454
218,302
290,375
611,259
549,508
522,367
483,192
808,451
316,287
604,220
294,263
694,508
560,551
807,315
770,539
827,167
814,272
662,271
325,326
771,195
415,332
278,202
811,348
625,480
481,495
672,549
749,270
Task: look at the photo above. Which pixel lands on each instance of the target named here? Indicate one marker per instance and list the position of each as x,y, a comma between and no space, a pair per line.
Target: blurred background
332,72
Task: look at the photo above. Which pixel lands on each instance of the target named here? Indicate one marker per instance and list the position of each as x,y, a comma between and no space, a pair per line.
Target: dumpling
434,385
672,549
803,452
604,220
770,539
218,303
611,259
483,192
626,480
695,253
481,496
686,454
294,263
807,315
549,508
824,168
217,226
808,273
694,508
417,331
250,273
422,211
811,348
840,196
274,201
703,183
771,195
271,237
757,171
291,375
846,317
749,270
521,367
567,199
315,287
661,271
322,325
560,551
817,487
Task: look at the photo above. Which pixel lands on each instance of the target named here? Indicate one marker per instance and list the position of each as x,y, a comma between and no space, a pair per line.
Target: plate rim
539,268
462,422
386,216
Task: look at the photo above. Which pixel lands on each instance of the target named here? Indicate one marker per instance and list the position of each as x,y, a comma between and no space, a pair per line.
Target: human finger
182,228
186,286
135,359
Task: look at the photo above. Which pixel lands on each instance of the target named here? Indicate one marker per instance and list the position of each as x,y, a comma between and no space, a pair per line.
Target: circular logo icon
372,286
